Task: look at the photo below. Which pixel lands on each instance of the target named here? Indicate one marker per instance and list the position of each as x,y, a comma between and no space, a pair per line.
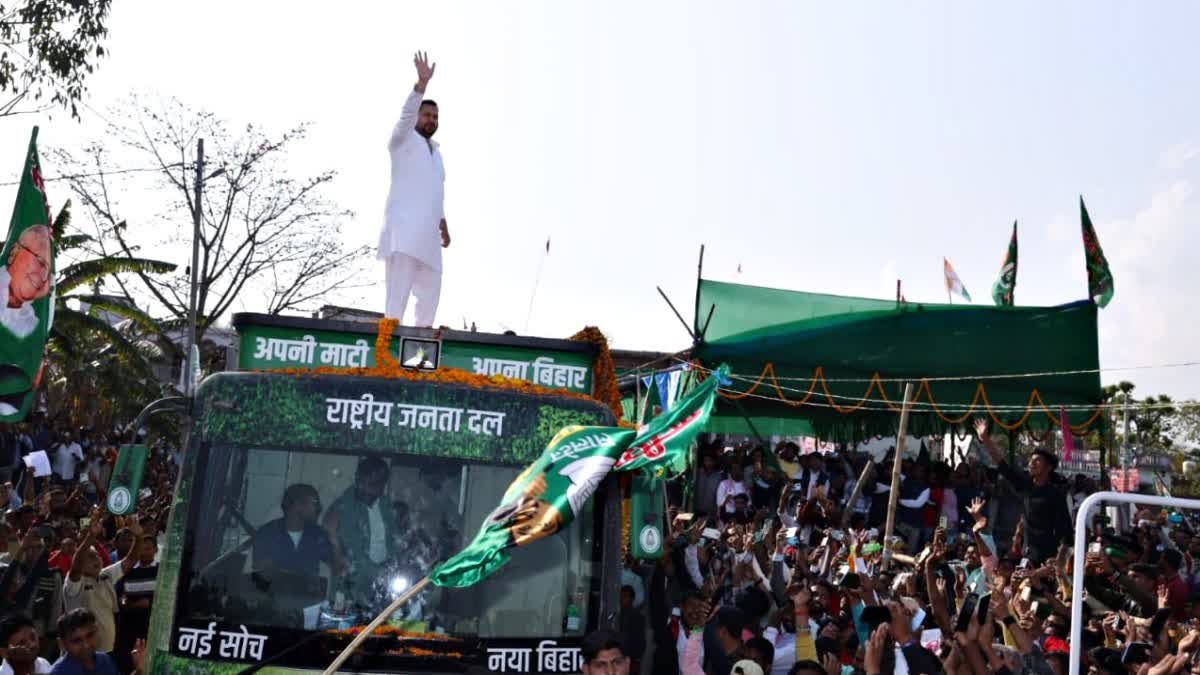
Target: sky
829,147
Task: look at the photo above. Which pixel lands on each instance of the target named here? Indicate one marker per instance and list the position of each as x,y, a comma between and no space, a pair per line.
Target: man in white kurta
414,229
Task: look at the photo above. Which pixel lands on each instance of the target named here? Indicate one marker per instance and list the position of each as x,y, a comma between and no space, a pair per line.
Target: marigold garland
604,371
924,389
385,630
383,343
388,367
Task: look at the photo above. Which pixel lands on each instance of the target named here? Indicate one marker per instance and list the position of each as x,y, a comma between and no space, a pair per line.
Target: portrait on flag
26,291
549,494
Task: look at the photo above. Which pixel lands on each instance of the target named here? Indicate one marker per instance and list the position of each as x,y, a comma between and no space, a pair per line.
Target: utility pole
1125,516
197,212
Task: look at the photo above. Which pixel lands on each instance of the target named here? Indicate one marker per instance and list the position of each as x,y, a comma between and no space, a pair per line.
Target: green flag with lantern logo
552,491
26,291
126,479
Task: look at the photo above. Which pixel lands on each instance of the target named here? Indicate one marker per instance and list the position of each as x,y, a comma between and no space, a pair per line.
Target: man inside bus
361,525
295,543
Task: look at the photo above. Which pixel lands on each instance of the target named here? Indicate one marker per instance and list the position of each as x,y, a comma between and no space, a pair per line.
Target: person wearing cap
1048,519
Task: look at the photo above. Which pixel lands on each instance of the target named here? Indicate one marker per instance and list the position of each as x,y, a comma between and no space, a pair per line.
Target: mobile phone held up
970,606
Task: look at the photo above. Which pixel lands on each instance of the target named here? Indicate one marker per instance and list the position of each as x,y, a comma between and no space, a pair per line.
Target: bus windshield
284,540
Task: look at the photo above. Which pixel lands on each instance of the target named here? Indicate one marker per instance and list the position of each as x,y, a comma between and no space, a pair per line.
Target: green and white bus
400,473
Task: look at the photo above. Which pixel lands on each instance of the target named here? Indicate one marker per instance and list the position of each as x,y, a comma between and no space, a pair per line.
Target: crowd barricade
1083,525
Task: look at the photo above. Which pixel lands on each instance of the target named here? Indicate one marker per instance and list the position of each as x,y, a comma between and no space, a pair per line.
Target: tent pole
704,330
677,314
897,460
641,413
753,429
637,395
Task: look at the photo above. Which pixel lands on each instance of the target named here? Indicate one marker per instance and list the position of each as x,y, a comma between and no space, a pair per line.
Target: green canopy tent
835,366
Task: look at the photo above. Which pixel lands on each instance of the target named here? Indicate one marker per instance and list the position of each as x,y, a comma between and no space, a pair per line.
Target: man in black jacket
1047,515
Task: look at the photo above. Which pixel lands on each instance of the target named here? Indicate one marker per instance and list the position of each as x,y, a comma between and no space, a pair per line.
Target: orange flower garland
398,632
383,343
604,371
604,379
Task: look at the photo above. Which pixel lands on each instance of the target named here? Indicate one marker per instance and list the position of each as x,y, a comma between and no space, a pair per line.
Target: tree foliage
268,239
1151,419
100,351
48,48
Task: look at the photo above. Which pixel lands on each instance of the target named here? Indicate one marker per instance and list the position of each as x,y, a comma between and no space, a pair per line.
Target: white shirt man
40,667
730,488
66,456
414,229
99,595
377,549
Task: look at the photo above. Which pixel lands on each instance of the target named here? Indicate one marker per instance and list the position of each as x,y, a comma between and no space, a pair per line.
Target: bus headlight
399,584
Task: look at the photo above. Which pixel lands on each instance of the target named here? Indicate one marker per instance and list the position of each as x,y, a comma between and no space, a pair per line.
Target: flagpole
858,488
376,623
537,278
897,460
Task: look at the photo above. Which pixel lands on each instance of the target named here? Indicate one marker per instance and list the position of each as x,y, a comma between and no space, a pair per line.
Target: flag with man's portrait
549,494
26,291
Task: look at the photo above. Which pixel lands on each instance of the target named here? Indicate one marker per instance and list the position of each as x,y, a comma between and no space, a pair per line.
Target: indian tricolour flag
953,283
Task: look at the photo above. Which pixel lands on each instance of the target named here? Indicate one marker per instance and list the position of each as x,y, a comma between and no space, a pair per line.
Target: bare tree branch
264,231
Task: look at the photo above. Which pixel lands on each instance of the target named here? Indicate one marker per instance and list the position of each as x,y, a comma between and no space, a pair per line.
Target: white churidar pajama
404,274
411,242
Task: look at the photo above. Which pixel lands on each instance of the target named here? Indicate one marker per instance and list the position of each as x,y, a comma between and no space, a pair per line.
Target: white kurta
415,200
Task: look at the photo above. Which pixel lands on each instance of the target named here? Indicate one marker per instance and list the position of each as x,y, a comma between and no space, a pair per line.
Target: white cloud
1179,154
1154,317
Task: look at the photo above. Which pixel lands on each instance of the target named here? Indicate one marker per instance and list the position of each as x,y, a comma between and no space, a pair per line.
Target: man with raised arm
414,228
1047,516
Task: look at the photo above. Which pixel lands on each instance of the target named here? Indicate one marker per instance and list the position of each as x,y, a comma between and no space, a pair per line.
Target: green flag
26,291
1100,279
663,447
1006,285
126,479
552,491
646,517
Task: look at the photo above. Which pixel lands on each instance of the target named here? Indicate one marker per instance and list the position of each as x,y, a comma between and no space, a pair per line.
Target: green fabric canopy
797,333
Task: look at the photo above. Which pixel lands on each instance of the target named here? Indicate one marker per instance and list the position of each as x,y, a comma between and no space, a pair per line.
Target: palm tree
96,369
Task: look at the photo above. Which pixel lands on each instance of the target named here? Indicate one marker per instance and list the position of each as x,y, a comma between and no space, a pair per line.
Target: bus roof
268,342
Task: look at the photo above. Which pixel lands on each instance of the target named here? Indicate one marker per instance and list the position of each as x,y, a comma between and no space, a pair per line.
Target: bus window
311,540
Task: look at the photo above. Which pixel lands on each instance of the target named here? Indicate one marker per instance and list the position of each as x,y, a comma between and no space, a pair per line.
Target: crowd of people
76,583
776,564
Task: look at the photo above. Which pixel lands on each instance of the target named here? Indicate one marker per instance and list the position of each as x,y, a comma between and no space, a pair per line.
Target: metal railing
1083,523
